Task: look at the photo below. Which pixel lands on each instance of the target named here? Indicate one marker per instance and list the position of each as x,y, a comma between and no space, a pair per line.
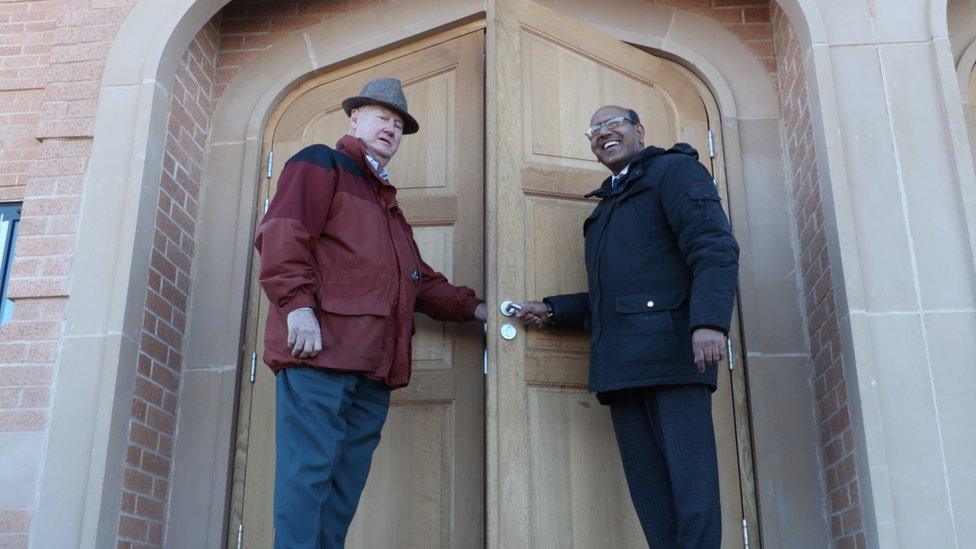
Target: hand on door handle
509,308
532,313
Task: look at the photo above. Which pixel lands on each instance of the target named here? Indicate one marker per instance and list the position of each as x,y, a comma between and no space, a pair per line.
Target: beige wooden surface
554,473
426,487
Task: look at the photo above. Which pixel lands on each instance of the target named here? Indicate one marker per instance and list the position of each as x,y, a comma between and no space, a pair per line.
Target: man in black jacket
662,268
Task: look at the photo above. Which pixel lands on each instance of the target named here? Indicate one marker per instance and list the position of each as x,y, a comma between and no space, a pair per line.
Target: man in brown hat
344,277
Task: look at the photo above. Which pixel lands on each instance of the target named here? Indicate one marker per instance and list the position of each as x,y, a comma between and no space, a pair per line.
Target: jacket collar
354,148
636,168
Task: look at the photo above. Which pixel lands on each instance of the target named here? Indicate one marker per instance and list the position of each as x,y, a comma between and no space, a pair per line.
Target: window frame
9,213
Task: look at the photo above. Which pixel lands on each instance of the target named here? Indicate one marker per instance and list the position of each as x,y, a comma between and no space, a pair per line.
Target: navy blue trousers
327,425
667,446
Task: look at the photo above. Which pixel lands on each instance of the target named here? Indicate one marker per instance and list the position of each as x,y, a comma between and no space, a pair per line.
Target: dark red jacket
334,239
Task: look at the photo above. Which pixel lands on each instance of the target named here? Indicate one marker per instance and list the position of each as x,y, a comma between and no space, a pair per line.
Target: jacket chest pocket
645,326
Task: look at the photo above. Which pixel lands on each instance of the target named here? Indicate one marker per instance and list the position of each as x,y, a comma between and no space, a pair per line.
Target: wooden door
426,487
554,473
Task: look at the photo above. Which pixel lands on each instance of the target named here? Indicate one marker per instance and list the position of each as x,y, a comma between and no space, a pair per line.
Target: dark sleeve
296,216
694,211
570,311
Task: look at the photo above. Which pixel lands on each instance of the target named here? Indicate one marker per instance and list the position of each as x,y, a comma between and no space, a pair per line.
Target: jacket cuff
301,299
570,311
469,305
724,331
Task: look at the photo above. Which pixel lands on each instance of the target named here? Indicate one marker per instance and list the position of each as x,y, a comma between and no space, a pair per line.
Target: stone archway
750,112
103,321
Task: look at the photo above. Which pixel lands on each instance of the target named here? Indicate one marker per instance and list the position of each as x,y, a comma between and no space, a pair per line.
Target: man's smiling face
615,147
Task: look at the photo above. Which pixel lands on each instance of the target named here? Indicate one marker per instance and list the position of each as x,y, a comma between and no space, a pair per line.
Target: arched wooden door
426,487
551,465
554,473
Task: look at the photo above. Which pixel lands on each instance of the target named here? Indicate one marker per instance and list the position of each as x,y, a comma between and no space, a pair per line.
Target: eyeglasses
609,124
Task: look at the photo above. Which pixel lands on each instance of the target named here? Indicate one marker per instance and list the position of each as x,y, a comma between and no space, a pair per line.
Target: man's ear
640,132
353,118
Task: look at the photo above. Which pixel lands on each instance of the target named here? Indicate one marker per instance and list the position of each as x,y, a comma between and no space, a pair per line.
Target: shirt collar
618,176
384,175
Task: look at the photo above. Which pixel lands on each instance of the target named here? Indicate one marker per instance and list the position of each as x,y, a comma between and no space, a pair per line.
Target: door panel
426,486
555,478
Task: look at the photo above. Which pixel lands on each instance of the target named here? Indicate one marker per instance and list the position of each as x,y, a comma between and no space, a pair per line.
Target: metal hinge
267,201
728,348
711,145
240,535
270,163
254,366
745,533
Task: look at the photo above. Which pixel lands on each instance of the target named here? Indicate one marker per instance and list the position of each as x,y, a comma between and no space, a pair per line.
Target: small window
9,223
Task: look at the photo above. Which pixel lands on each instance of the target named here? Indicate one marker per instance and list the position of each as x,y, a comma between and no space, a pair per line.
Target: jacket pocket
355,317
654,301
709,205
353,292
646,328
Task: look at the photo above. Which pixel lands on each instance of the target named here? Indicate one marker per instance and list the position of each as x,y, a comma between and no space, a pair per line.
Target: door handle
509,308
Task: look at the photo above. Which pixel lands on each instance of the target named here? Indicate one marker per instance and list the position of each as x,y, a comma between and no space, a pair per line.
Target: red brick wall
833,413
154,406
26,38
747,19
52,53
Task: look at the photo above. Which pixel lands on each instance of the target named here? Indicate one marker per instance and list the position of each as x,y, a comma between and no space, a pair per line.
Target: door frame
253,322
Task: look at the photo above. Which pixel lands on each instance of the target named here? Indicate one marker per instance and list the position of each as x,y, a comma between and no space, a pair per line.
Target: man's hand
481,312
708,346
304,334
532,313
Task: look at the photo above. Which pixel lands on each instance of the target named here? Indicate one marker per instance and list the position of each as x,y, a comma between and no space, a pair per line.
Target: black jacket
661,261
